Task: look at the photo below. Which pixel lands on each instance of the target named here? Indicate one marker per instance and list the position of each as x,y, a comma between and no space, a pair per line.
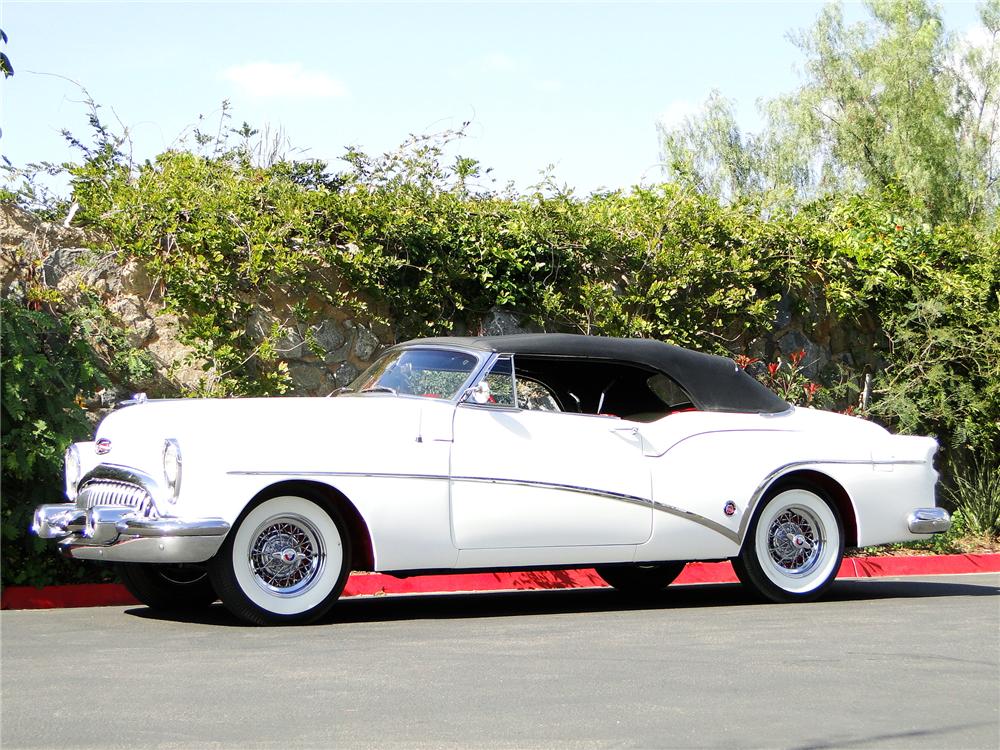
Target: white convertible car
516,452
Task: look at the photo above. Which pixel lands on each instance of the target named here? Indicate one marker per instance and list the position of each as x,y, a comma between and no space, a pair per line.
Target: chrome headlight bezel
172,468
73,470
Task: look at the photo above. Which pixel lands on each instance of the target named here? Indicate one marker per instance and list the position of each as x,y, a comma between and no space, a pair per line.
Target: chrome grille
115,494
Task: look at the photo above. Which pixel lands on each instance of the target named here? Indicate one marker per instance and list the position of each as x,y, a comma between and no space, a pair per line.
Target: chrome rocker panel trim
928,521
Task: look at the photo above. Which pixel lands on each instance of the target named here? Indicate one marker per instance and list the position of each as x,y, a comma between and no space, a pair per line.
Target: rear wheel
285,561
167,587
640,578
793,547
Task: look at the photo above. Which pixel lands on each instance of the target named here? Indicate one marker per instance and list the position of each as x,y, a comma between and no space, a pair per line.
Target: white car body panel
556,480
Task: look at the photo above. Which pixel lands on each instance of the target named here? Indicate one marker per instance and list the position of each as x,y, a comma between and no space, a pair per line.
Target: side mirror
479,393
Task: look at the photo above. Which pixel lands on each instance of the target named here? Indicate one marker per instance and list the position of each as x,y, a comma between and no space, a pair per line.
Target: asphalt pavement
908,663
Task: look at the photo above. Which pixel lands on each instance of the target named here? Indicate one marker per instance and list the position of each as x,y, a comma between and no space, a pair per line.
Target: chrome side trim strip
443,477
735,536
708,523
618,496
623,497
375,474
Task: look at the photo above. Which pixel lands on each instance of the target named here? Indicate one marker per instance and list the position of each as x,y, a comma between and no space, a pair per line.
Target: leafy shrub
975,492
47,371
408,240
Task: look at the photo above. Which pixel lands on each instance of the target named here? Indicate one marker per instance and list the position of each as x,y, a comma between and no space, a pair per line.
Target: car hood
228,434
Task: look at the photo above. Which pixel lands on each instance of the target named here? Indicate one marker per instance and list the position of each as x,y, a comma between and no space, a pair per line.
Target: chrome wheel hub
794,541
286,555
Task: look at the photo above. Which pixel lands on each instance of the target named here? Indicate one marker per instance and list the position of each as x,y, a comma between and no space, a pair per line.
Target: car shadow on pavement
576,601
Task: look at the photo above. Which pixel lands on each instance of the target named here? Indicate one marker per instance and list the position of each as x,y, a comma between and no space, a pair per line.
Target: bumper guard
928,521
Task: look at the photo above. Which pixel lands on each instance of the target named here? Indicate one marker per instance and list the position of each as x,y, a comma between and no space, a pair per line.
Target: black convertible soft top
714,383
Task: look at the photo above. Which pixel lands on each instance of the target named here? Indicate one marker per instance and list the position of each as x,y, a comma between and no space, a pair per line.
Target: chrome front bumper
119,535
928,521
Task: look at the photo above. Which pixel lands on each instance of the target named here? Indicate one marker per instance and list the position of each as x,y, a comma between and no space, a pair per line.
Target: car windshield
434,373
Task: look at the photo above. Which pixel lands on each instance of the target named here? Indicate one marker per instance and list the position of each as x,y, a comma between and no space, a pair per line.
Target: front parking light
172,467
72,471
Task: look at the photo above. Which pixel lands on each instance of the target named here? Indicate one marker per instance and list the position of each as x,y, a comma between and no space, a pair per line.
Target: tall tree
5,67
893,103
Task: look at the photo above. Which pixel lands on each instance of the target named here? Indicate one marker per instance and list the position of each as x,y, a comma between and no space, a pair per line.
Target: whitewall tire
794,546
285,561
167,587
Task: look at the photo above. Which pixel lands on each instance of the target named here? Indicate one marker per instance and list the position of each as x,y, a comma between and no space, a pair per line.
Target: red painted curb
378,584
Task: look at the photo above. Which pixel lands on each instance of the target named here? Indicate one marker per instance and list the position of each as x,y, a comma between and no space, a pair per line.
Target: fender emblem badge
729,508
102,446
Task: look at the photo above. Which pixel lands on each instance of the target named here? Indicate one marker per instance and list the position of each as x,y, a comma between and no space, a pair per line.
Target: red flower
810,389
796,357
772,368
744,361
899,227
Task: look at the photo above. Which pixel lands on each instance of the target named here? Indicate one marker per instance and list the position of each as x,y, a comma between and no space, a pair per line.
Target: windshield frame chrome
484,358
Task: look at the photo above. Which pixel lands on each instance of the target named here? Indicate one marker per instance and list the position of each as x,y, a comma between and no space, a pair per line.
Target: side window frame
551,394
489,370
513,383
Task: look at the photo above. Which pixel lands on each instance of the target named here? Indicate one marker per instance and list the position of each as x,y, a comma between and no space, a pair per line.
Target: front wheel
285,561
794,546
167,587
640,578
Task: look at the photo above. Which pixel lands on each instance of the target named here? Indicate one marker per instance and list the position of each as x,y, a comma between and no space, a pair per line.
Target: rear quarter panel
700,462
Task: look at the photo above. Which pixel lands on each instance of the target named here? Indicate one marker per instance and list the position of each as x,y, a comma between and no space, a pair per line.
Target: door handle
629,430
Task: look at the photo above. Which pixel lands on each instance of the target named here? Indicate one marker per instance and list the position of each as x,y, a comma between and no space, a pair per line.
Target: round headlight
72,471
172,467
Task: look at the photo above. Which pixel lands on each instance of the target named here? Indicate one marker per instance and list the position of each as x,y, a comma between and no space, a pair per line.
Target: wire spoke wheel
286,560
793,547
795,542
287,555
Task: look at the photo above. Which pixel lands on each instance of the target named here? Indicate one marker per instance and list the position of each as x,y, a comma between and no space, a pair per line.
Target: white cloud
546,85
977,36
267,79
677,112
498,62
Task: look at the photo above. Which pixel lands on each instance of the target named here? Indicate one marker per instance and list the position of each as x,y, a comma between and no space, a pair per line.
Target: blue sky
577,85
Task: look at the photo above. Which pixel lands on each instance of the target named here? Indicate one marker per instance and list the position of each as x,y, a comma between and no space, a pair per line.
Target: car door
524,478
